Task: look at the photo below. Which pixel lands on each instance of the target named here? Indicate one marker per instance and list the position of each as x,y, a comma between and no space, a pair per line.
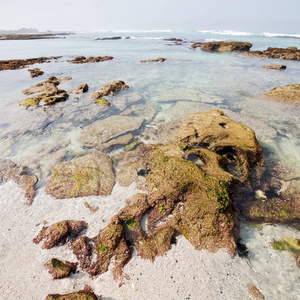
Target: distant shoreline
32,36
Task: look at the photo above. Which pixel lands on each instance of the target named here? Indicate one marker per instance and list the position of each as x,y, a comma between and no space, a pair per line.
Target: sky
251,15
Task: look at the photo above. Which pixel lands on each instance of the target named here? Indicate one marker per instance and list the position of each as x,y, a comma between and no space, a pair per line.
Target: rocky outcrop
87,175
81,295
59,233
287,94
160,59
84,60
16,64
60,269
196,45
275,67
110,38
290,53
80,89
35,72
110,132
48,92
226,46
110,89
19,174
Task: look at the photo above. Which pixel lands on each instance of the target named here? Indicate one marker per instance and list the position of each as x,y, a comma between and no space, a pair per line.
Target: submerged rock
35,72
110,89
60,269
160,59
81,295
80,89
19,174
196,45
287,94
84,60
59,233
275,67
255,292
110,132
102,102
226,46
290,53
87,175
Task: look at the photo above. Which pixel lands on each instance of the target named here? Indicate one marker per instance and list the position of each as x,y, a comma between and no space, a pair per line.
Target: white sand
183,273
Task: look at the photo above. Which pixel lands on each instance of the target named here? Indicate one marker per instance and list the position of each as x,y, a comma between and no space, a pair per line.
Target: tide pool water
188,81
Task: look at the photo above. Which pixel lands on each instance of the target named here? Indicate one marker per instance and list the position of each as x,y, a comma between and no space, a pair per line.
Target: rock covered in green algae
287,94
19,174
226,46
81,295
110,132
59,233
87,175
59,269
110,89
102,102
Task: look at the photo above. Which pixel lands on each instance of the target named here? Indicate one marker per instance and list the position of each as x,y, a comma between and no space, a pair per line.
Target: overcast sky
251,15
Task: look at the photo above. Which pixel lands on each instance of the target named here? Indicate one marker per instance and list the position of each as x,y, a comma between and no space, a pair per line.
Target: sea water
188,81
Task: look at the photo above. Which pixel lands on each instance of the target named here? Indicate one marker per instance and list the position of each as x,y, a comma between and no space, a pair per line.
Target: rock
102,102
84,60
92,209
48,92
80,89
110,89
254,292
289,94
226,46
60,269
160,59
196,45
122,101
62,79
290,53
173,40
275,67
81,295
110,38
87,175
19,174
16,64
298,259
115,130
59,233
35,72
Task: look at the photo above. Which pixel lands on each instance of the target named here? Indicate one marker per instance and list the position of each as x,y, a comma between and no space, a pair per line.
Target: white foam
227,32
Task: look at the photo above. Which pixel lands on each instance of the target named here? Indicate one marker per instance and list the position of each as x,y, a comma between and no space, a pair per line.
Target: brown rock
110,89
196,45
110,132
226,46
254,292
287,94
84,60
87,175
290,53
160,59
59,233
275,67
82,88
35,72
60,269
81,295
19,174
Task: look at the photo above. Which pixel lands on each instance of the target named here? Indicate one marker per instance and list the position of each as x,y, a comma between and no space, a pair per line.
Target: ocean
190,80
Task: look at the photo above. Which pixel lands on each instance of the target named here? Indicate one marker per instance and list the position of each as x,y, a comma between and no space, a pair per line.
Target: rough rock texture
286,94
110,132
275,67
102,102
110,89
16,64
19,174
254,292
290,53
160,59
81,295
59,233
35,72
48,92
226,46
84,60
87,175
60,269
80,89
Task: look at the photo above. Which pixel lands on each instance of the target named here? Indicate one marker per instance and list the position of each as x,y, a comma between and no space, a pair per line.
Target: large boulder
110,89
87,175
226,46
110,132
287,94
290,53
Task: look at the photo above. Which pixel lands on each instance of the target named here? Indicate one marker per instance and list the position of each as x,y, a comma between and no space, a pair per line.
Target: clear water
227,81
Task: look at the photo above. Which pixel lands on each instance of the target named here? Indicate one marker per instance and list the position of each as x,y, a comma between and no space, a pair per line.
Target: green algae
130,222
